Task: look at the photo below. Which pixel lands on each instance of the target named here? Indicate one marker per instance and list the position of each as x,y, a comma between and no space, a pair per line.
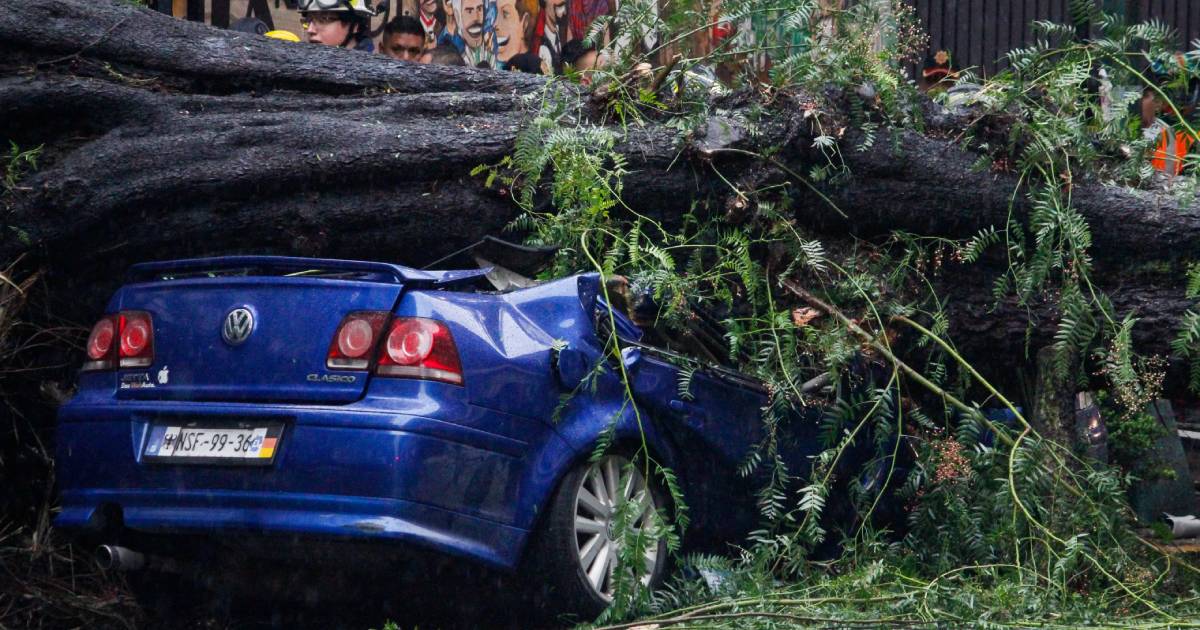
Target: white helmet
357,6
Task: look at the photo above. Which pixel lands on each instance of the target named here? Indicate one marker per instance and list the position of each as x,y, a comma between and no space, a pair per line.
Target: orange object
1170,152
721,31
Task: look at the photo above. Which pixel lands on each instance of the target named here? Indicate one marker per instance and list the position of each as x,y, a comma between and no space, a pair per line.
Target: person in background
286,36
1162,119
527,62
250,25
443,55
403,39
580,58
341,23
1171,146
258,27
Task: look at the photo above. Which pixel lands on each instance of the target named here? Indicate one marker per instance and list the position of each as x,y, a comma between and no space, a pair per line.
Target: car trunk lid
288,318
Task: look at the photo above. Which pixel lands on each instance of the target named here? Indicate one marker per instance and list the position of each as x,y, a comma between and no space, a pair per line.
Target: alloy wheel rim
607,484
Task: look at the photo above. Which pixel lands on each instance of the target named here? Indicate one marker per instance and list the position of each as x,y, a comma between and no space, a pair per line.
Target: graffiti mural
508,34
528,35
514,29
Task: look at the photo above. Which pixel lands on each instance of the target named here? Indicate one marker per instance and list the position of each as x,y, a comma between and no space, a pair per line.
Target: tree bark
167,139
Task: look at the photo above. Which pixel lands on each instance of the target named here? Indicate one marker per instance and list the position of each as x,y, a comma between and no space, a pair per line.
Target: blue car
332,400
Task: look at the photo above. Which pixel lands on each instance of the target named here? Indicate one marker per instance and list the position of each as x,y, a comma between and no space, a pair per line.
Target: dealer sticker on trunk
209,444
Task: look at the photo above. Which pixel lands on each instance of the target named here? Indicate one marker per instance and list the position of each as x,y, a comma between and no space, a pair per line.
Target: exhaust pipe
112,557
1183,526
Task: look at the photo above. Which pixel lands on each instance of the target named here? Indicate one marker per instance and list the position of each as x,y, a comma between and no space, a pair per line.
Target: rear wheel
575,556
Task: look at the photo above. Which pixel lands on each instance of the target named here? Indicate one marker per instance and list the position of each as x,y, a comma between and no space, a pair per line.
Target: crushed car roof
399,273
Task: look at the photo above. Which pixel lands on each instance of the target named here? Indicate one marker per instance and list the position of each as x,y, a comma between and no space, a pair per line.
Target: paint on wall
487,33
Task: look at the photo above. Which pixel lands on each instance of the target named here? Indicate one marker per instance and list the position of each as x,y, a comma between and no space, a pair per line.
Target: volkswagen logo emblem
239,323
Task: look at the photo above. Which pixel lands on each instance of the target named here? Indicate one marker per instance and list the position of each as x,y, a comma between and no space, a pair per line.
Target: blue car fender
580,427
587,416
582,430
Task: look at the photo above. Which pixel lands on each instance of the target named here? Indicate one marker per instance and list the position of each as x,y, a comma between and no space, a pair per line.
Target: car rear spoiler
386,272
523,259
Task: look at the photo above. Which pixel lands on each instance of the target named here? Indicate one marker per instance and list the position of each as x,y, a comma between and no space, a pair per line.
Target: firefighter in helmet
342,23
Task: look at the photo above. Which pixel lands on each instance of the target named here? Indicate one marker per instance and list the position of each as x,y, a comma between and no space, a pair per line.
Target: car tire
571,556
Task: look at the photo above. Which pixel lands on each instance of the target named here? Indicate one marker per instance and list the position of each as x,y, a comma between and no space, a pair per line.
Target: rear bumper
324,517
340,472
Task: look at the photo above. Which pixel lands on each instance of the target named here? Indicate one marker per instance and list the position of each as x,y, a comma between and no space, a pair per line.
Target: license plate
197,443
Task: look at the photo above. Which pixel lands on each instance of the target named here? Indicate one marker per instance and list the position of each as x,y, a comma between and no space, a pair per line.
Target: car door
714,419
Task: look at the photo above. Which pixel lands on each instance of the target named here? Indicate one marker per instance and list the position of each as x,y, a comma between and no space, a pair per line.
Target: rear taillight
417,347
355,339
101,351
122,340
137,339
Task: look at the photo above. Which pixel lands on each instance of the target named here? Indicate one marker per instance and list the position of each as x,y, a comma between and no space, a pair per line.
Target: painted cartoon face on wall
512,24
471,22
451,17
556,12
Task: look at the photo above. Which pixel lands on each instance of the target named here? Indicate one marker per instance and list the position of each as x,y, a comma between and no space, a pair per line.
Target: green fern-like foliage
1193,281
1018,509
1186,345
1077,329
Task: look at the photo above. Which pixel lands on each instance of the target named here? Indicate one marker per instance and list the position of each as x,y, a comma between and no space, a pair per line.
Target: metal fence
1184,15
977,33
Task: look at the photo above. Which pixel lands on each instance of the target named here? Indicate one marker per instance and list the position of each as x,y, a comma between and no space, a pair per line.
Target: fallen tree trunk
167,139
182,174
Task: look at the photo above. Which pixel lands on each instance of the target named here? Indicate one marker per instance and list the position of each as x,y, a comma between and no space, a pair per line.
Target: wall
977,33
493,32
